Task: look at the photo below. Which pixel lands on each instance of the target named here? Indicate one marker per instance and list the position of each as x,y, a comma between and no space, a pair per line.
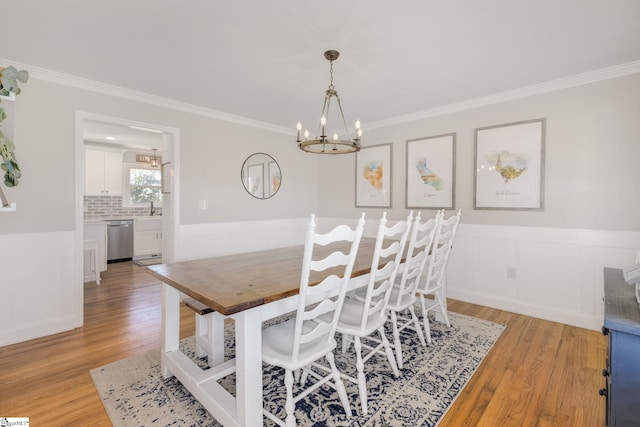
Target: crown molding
159,101
536,89
510,95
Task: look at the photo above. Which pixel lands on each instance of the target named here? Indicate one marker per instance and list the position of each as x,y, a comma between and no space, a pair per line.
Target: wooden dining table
249,288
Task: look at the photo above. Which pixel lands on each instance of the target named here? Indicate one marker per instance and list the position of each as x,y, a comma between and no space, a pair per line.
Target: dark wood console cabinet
622,373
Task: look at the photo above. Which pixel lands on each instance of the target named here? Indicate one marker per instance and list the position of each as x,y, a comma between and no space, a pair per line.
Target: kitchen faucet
152,210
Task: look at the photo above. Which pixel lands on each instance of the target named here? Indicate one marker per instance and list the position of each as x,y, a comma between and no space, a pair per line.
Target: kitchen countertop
119,218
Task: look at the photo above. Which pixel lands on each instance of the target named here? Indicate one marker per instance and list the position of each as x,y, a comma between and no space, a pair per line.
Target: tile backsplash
102,207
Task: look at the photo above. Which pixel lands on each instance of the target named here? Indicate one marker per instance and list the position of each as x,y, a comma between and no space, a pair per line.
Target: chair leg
417,326
362,380
390,356
337,380
345,343
396,339
443,310
289,405
425,319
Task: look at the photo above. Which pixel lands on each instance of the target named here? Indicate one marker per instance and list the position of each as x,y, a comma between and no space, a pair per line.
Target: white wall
36,285
591,179
40,279
591,216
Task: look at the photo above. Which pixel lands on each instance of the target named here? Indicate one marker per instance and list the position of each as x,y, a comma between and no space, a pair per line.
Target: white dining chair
403,295
365,313
430,290
309,336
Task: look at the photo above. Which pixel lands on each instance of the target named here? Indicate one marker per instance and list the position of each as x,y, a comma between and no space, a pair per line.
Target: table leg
215,329
170,325
248,326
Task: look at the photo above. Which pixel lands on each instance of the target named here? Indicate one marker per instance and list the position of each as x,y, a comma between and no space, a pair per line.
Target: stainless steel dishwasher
119,240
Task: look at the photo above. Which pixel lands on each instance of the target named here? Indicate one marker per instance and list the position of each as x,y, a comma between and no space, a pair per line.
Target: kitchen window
143,185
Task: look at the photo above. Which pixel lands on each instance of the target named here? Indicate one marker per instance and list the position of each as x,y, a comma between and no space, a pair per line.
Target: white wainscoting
225,238
38,294
558,272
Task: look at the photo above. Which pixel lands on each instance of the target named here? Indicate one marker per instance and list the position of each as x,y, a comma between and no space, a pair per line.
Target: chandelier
322,144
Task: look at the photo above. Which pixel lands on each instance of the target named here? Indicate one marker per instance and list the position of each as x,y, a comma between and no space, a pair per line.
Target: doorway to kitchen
128,138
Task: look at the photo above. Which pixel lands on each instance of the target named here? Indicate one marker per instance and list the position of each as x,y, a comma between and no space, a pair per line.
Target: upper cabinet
102,173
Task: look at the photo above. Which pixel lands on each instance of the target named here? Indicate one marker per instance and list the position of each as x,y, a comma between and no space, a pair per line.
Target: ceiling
127,138
263,60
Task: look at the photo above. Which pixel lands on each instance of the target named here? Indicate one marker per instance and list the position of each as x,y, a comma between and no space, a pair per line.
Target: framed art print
431,172
509,166
373,176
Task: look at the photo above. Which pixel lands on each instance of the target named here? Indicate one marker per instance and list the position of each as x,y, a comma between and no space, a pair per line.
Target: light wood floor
539,373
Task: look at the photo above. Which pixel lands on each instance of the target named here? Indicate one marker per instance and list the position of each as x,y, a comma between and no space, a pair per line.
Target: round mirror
261,175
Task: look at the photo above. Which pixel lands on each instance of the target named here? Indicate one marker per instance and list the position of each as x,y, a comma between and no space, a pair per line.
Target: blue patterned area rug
135,394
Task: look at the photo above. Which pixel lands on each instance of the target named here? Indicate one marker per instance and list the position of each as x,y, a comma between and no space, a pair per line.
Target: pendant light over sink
154,159
322,144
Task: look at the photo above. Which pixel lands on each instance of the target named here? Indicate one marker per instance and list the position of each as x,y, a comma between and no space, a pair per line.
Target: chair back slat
325,306
420,244
319,306
313,330
448,229
381,279
433,277
443,242
335,259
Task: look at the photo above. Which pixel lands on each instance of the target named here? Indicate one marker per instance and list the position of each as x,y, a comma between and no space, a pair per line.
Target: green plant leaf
9,78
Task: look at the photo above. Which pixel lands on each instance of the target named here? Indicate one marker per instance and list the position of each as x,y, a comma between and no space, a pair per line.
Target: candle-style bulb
298,128
358,124
306,134
335,136
323,120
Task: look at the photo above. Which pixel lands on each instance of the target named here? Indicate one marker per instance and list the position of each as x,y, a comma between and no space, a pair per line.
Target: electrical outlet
202,204
511,273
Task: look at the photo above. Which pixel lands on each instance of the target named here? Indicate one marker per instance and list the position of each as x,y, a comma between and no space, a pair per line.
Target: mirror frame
261,165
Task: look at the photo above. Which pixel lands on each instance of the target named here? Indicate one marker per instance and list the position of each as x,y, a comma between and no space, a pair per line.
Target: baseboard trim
552,314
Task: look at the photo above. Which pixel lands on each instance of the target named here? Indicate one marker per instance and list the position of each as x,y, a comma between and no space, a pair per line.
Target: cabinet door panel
102,173
147,243
93,173
113,173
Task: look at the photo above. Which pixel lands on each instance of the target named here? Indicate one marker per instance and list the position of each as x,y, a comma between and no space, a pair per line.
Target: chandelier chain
331,87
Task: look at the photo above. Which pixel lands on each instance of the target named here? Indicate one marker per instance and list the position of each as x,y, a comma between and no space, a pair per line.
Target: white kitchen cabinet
96,231
147,237
102,173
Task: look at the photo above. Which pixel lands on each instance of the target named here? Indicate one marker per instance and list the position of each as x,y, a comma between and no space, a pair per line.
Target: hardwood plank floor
539,373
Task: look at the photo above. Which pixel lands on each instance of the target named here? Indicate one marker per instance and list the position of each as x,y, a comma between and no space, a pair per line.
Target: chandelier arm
344,122
328,110
325,113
